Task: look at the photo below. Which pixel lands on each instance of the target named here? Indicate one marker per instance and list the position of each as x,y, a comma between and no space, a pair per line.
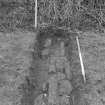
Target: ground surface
15,56
93,50
15,49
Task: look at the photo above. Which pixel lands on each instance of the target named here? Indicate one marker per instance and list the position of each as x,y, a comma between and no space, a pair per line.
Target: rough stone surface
21,80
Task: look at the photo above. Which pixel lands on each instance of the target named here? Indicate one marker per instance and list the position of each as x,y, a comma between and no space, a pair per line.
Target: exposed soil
15,57
27,75
48,48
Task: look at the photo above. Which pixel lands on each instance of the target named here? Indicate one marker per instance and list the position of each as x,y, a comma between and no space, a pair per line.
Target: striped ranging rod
81,60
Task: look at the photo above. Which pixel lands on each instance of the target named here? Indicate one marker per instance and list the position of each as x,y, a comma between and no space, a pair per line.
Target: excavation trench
55,73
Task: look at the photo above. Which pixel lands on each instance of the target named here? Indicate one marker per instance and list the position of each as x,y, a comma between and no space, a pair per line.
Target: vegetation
66,13
16,49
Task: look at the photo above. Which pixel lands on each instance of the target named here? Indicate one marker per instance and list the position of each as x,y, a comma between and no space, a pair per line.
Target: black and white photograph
52,52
